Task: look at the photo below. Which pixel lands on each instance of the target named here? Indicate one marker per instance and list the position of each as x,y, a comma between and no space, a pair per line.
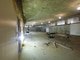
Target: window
61,22
73,20
52,24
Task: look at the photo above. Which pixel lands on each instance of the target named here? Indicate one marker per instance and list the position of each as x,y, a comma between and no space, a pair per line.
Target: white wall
75,29
72,29
60,29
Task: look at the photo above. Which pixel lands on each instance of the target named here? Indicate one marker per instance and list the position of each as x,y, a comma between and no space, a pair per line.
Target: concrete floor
36,49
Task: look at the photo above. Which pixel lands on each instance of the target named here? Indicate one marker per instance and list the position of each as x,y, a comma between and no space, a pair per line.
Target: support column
18,35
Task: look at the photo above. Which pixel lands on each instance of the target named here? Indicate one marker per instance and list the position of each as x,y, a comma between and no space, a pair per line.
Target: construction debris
48,43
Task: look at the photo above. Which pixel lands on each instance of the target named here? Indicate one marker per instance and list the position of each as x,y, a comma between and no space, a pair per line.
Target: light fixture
60,17
72,21
78,8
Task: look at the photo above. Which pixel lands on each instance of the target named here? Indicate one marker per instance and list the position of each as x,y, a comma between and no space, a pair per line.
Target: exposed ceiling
44,10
